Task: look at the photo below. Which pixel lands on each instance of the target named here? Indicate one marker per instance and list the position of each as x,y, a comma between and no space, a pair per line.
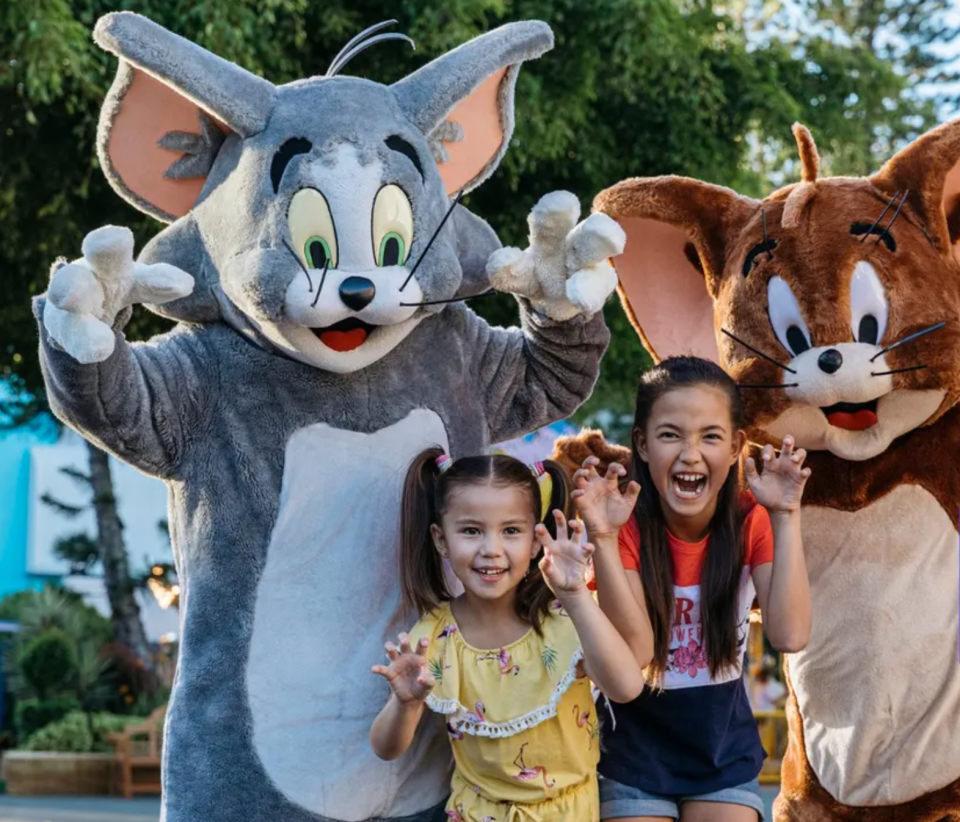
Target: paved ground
97,809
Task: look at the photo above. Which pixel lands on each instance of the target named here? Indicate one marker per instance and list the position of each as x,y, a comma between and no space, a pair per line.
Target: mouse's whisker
758,352
767,384
897,370
907,339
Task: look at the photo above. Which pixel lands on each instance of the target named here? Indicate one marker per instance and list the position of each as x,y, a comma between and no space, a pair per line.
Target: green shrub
78,732
68,735
49,661
33,714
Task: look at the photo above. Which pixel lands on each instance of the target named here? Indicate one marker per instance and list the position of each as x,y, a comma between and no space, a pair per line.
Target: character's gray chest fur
329,587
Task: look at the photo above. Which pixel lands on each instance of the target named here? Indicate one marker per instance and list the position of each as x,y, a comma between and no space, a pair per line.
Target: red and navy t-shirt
698,734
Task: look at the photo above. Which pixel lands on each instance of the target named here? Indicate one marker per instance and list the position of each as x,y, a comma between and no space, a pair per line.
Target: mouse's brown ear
929,168
678,232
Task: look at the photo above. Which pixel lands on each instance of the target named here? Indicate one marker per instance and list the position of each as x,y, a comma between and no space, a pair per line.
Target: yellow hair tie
545,481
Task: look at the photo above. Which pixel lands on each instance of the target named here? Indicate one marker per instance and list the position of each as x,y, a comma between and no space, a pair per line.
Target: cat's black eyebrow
290,149
765,247
859,229
398,144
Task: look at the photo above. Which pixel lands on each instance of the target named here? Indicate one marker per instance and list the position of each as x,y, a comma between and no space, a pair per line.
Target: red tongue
857,421
343,340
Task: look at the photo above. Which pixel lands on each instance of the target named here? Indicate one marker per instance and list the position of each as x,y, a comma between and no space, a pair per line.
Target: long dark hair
723,564
425,494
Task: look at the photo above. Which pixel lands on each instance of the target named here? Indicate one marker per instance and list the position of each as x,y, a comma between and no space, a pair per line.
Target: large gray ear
169,110
464,100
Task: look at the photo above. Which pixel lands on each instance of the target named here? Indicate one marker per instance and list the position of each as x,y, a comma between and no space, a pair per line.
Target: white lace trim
466,721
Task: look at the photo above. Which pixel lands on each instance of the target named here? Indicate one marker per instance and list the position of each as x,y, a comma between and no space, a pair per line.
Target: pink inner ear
479,117
149,110
951,200
666,293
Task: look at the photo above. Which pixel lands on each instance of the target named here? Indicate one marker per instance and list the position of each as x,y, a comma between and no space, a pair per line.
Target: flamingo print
556,606
582,718
529,774
583,721
456,815
454,732
503,658
448,631
477,717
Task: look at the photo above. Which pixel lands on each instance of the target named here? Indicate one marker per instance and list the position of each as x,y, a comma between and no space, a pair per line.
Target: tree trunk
124,610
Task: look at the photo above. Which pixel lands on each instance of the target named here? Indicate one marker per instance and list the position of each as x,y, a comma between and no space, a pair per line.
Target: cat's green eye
312,230
393,250
392,226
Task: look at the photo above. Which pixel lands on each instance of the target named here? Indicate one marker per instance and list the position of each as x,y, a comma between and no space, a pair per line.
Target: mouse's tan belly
878,686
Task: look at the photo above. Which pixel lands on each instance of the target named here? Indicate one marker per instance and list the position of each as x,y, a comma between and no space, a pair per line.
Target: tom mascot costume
316,260
835,304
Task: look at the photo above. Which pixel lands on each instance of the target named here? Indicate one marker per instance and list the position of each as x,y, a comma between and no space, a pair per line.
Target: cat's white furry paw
85,296
565,271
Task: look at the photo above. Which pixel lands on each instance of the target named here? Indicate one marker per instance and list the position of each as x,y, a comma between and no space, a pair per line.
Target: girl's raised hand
407,672
565,559
780,487
599,501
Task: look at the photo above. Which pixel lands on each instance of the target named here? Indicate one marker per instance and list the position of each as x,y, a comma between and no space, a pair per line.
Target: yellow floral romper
521,720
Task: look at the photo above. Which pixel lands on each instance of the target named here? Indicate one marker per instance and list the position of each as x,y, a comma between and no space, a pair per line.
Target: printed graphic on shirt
687,658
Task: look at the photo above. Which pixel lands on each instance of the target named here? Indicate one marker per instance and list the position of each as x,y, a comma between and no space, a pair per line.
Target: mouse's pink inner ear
929,170
662,292
678,231
143,170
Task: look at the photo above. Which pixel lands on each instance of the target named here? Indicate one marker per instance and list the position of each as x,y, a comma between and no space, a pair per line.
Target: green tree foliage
48,662
633,87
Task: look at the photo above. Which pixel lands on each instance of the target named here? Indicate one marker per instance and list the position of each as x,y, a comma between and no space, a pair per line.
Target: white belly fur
328,599
879,684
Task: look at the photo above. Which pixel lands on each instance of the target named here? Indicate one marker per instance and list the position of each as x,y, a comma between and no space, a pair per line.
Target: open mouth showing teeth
689,486
344,335
491,574
853,416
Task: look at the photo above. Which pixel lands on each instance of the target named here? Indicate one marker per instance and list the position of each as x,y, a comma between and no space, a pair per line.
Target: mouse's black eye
869,330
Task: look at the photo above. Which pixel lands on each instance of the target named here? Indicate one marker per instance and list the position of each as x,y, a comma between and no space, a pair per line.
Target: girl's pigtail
421,567
559,495
534,597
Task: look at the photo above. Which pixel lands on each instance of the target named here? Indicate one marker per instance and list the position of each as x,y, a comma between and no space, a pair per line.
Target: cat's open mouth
853,416
345,335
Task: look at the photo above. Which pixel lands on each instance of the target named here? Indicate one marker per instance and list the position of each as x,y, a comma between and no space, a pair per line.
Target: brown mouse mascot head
835,305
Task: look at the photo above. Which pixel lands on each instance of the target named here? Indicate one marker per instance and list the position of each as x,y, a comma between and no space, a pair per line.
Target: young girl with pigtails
509,661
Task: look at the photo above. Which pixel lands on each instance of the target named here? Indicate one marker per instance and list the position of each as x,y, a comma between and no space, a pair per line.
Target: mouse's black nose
357,292
830,361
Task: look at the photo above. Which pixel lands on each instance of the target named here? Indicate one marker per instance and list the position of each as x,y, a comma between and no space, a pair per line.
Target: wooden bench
138,750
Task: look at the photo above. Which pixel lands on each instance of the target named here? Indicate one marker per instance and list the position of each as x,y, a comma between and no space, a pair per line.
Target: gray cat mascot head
317,261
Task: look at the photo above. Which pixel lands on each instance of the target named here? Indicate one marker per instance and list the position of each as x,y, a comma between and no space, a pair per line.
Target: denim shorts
618,800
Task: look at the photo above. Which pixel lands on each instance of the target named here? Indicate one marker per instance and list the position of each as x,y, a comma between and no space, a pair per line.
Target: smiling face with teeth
487,535
689,443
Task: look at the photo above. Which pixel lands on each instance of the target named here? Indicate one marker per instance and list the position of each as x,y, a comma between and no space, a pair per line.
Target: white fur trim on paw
593,241
511,270
82,336
589,288
160,283
108,250
74,288
551,220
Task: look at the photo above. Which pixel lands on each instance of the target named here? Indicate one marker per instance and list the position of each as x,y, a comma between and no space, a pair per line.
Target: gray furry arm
538,373
143,404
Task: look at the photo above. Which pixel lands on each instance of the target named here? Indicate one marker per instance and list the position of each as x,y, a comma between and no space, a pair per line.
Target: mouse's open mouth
853,416
345,335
